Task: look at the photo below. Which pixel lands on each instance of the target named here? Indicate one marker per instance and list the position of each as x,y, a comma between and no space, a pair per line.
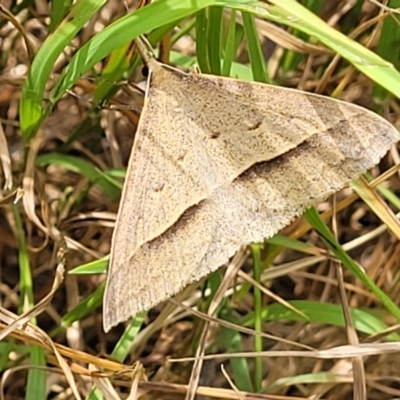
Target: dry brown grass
64,220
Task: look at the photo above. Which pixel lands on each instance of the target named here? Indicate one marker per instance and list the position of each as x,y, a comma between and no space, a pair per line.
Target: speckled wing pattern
219,162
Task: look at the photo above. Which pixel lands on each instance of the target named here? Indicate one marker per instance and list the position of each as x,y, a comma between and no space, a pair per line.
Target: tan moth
217,163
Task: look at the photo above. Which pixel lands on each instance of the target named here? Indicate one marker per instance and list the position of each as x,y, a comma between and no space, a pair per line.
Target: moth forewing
218,163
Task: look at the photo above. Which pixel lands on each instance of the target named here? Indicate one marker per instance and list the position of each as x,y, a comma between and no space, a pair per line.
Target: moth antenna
147,54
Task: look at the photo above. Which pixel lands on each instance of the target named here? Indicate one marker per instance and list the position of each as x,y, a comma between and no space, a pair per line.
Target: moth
218,163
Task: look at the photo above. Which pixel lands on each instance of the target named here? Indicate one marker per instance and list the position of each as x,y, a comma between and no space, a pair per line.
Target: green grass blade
231,341
36,383
59,9
230,47
316,222
122,31
365,321
37,379
31,104
201,41
81,167
214,39
291,13
122,348
256,252
257,61
83,309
